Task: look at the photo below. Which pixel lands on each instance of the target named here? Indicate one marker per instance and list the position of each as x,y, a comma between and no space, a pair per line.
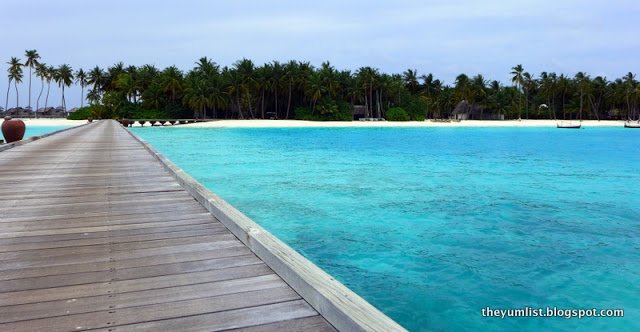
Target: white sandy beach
337,124
52,122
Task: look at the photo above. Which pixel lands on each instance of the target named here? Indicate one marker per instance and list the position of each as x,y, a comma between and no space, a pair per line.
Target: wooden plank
227,320
137,212
168,258
313,323
154,312
74,230
213,229
112,248
61,238
107,255
114,273
134,299
115,287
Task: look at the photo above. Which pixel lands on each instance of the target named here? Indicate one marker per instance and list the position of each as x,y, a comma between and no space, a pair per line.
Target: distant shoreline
342,124
428,123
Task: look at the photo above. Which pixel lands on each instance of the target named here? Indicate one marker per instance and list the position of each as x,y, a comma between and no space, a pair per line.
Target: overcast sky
443,37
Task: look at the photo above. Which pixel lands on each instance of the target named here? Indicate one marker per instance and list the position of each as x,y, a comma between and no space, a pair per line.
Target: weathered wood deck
96,234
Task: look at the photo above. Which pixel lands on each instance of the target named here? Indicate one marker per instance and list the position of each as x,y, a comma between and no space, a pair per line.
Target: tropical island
299,90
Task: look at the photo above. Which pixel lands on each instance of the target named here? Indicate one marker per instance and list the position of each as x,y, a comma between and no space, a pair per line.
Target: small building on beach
359,112
467,111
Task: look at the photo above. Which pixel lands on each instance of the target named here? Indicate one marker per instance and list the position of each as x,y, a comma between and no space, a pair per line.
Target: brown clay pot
12,130
125,122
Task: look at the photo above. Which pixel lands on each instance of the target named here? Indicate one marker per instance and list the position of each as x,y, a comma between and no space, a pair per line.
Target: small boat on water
630,124
569,125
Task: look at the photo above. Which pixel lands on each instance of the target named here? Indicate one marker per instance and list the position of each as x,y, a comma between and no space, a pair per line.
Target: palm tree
96,78
171,82
563,85
410,77
32,61
273,82
529,85
50,76
583,82
630,83
196,95
518,79
314,89
15,75
64,78
81,78
290,76
367,77
206,66
41,72
547,83
463,88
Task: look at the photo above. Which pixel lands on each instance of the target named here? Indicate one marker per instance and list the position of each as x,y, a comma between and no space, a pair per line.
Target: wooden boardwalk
96,234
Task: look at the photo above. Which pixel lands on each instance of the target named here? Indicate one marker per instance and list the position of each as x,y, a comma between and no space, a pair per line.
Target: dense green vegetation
299,90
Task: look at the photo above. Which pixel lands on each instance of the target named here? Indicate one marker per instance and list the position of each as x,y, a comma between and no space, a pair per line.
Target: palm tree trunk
594,108
519,97
6,101
15,83
526,106
30,85
39,95
46,100
378,104
371,99
276,95
262,104
239,107
64,105
581,94
564,113
81,95
289,101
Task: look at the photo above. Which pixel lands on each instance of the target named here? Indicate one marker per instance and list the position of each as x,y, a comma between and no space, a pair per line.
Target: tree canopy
296,89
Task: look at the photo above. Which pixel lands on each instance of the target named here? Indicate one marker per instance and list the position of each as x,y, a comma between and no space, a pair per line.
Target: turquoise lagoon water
41,130
433,224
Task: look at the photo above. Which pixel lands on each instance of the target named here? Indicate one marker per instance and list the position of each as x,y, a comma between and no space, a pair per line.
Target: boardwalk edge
339,305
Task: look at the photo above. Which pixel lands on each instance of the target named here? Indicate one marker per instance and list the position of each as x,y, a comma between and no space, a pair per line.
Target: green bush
149,114
81,114
397,114
92,111
416,108
327,109
304,113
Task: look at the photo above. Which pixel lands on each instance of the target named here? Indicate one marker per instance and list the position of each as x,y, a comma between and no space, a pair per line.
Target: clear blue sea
431,225
41,130
38,130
